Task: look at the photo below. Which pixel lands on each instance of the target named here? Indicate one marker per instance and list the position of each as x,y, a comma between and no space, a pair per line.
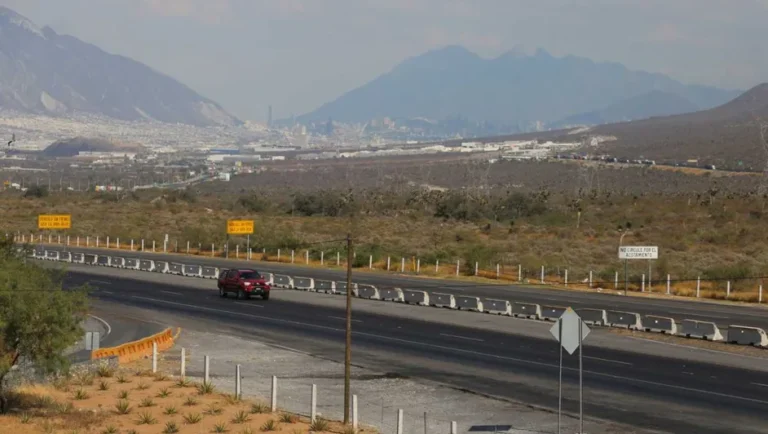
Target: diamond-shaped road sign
570,337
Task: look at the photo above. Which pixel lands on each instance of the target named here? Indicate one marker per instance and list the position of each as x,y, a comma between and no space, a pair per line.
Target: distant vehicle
244,283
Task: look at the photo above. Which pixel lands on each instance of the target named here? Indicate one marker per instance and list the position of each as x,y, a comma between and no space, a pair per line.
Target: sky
298,54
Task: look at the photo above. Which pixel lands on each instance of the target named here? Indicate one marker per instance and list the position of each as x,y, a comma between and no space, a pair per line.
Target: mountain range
47,73
532,91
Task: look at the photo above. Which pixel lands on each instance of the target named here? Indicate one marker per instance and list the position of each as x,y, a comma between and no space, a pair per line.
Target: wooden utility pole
348,345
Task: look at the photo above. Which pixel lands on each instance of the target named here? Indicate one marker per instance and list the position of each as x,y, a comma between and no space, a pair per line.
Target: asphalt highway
722,314
647,391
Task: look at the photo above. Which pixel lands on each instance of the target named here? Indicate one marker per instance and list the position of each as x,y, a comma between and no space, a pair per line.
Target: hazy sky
298,54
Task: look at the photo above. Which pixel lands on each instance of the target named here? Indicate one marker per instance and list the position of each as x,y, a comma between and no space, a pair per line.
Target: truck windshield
250,275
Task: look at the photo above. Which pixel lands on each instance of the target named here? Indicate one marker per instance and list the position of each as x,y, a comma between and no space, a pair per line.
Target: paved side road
379,395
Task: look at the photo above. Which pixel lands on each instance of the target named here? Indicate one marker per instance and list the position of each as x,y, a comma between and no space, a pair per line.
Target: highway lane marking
462,337
171,292
107,292
760,384
100,282
459,350
109,328
608,360
248,304
344,319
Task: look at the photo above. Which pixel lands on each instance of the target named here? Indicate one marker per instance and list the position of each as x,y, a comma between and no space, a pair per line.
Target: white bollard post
669,284
293,256
338,259
542,274
616,280
153,246
477,266
213,249
107,242
760,294
118,243
399,421
402,265
142,244
67,239
354,412
418,266
698,286
313,401
728,290
50,239
590,279
97,241
370,262
498,271
322,257
437,266
274,394
520,272
278,255
183,369
206,368
187,247
237,251
388,262
458,262
131,244
454,429
154,357
306,257
642,284
238,389
58,239
566,277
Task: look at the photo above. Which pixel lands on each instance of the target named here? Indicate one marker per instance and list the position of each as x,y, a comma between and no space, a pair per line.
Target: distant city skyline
298,54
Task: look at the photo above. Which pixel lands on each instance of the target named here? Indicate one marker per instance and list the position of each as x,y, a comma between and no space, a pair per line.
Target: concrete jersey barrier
497,307
161,267
326,286
174,268
269,278
743,335
91,259
209,272
65,257
132,263
416,297
283,281
117,262
526,310
52,255
341,288
628,320
469,303
552,313
593,316
304,283
78,258
442,300
392,294
368,291
146,265
103,261
191,270
660,324
701,329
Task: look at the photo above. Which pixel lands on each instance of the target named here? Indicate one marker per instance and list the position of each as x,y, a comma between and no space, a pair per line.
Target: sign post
239,227
636,252
570,331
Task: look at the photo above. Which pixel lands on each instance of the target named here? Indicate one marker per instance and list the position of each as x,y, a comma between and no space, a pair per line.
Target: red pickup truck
244,283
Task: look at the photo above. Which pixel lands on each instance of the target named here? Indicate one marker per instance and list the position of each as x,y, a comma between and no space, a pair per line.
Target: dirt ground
136,402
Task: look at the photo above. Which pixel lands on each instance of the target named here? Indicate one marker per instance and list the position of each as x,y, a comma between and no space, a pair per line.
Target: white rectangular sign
638,252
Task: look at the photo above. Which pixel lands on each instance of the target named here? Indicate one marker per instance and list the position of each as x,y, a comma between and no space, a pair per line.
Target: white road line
100,282
344,319
461,337
687,373
608,360
760,384
107,292
106,324
248,304
171,292
459,350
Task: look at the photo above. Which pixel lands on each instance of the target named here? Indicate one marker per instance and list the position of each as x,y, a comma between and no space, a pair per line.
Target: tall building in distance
269,116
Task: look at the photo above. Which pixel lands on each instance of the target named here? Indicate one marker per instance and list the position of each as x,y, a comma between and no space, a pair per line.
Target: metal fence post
183,368
399,421
542,274
313,403
566,277
274,394
476,267
728,290
206,368
698,286
354,412
238,389
669,284
154,357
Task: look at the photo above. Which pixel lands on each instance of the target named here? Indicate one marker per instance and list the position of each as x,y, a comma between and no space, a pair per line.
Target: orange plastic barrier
140,349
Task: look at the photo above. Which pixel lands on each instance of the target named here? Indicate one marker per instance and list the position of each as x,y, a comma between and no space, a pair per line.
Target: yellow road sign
239,227
54,221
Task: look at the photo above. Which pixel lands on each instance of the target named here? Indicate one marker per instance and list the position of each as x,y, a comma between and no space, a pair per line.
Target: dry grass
39,409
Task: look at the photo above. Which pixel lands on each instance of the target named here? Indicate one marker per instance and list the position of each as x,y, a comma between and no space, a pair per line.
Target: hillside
47,73
513,89
727,136
71,147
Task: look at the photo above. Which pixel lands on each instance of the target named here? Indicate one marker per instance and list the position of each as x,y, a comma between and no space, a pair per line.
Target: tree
38,319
